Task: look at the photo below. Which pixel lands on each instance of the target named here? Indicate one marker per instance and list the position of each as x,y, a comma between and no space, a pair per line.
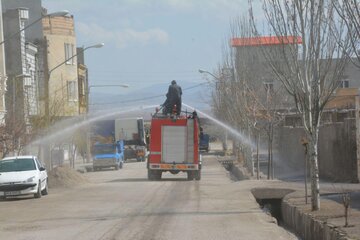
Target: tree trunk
269,162
306,173
314,170
257,156
271,150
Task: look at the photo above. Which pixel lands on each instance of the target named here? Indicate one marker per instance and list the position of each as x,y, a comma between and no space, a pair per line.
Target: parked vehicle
204,142
22,175
132,131
107,155
174,146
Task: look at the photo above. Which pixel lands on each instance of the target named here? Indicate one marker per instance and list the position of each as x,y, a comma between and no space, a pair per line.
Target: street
125,205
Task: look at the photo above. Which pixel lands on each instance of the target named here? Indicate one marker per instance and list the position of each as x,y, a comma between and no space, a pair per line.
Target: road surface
125,205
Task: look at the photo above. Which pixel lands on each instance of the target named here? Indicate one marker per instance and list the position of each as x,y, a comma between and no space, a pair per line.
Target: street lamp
100,86
47,103
99,45
54,14
47,113
207,72
217,87
110,85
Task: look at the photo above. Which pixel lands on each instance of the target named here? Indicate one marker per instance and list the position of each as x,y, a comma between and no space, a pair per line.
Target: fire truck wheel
190,176
198,175
150,175
158,175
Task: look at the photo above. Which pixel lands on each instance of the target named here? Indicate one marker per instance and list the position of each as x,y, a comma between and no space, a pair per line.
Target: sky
148,42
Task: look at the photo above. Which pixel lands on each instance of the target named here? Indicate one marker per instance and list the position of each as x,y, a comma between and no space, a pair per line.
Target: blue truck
107,155
204,140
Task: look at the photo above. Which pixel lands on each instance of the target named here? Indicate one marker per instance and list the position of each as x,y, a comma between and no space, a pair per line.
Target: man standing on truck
173,97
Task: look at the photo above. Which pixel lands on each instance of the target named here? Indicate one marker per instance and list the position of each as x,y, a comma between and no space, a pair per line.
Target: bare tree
309,63
349,12
245,95
46,125
346,200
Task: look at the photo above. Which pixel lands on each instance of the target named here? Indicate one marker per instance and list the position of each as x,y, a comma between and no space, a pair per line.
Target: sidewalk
304,222
331,215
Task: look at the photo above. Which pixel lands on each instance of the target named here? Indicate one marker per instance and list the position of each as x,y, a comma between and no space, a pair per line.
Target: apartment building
21,64
3,76
62,98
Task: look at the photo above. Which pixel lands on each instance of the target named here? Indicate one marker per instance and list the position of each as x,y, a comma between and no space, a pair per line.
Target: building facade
34,33
339,133
83,82
61,84
21,59
3,76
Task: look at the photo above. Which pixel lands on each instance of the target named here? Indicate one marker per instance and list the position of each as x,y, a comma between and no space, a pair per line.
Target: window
17,165
72,91
344,83
69,53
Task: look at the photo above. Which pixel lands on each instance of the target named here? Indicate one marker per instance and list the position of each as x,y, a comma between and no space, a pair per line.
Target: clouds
143,22
123,38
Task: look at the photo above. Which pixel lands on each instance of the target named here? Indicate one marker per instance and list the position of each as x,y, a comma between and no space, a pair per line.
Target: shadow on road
146,180
16,198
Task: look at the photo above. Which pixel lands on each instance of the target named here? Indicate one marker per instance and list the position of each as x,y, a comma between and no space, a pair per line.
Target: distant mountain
197,95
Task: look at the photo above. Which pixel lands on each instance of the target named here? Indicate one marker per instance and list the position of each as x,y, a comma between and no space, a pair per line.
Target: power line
146,98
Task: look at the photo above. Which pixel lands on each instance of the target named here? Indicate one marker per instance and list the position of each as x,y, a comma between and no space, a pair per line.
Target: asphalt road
125,205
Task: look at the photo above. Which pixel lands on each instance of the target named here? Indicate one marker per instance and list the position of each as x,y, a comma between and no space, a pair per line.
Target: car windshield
17,165
104,149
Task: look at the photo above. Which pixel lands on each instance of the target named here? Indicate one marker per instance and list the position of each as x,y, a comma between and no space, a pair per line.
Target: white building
3,76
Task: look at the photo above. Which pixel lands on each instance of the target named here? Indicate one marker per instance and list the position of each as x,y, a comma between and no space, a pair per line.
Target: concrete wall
337,150
338,161
307,226
291,152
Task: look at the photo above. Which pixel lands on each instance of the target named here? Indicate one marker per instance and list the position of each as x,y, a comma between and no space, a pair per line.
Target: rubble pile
63,176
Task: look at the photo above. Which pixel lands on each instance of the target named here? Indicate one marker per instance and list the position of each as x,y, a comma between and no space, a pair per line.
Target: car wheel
46,190
117,167
121,165
38,194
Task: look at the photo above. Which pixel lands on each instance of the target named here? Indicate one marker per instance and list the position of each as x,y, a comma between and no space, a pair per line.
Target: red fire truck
174,146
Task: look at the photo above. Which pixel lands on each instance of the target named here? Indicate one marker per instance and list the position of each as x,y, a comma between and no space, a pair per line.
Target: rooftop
265,41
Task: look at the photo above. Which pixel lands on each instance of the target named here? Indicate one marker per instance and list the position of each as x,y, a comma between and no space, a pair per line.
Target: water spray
233,131
83,122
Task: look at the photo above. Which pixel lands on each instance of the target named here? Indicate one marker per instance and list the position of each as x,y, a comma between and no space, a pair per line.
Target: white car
22,175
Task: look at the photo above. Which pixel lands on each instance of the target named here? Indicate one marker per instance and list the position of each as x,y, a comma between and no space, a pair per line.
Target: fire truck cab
174,146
